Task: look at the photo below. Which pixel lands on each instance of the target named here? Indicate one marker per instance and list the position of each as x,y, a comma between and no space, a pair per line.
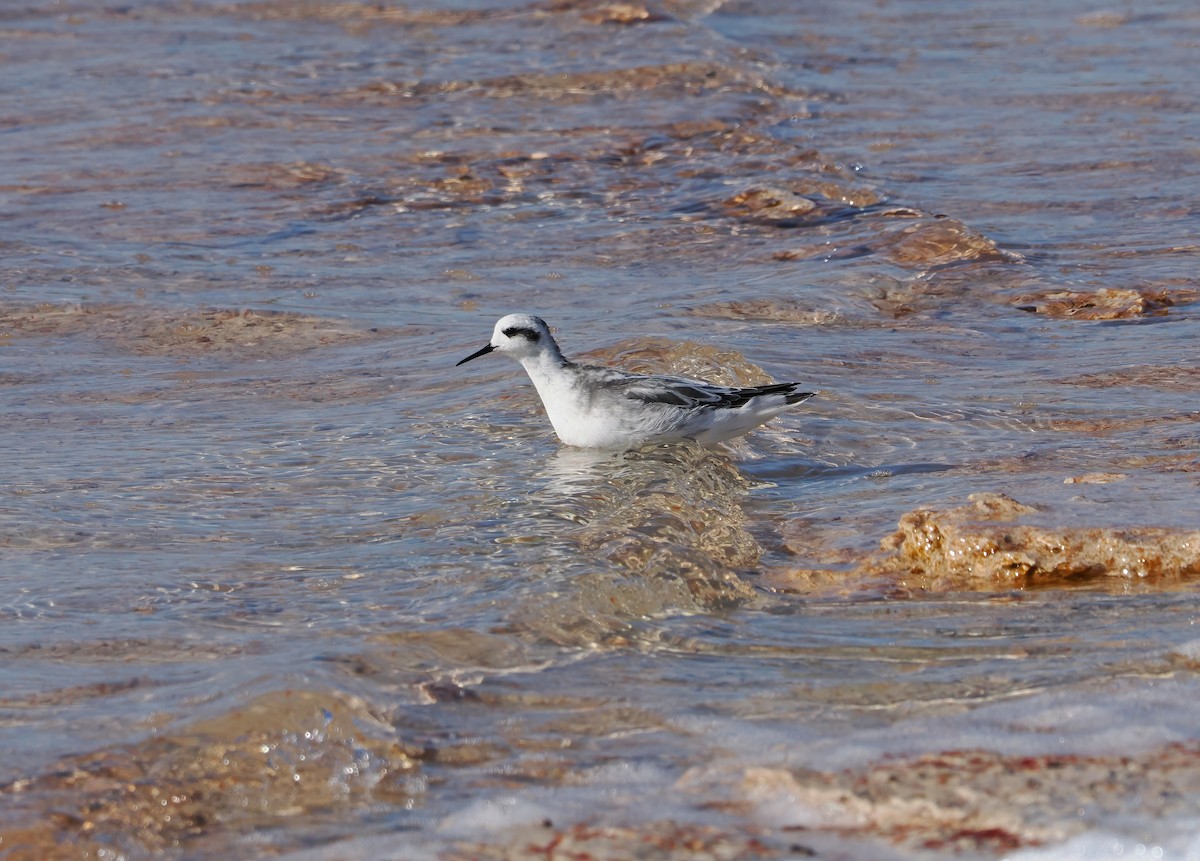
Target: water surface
276,578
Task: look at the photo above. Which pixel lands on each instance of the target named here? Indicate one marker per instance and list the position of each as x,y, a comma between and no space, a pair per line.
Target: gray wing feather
691,394
684,392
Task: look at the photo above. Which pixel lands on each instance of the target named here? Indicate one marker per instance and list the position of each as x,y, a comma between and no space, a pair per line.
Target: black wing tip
738,398
788,390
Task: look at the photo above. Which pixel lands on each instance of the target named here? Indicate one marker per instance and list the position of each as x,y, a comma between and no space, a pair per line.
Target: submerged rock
163,332
941,242
663,839
1104,304
962,800
283,755
668,527
769,204
776,310
982,545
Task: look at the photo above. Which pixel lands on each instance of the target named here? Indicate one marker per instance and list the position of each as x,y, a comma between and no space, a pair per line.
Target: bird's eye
521,331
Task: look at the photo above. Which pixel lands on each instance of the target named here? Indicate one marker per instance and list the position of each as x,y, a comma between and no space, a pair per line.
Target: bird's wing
655,388
684,392
692,394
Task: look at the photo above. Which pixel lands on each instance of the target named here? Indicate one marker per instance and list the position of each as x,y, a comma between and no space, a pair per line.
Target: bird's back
610,408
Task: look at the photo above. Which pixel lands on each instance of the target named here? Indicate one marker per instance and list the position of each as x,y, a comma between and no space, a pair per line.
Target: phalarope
595,407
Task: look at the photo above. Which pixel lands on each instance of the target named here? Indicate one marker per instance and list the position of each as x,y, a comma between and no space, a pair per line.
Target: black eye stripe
523,331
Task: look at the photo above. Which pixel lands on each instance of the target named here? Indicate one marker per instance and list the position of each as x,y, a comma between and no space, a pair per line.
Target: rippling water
276,578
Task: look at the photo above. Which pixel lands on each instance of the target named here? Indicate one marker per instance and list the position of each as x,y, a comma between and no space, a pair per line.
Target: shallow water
277,578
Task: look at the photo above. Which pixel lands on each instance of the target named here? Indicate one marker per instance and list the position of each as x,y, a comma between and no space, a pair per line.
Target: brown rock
948,800
769,203
981,545
942,242
622,13
284,754
162,332
1103,304
989,544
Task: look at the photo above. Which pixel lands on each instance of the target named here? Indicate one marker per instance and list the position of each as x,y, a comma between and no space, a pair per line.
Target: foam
1177,840
490,815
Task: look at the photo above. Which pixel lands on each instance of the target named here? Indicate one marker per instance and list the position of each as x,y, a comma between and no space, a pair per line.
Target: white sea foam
1176,840
497,813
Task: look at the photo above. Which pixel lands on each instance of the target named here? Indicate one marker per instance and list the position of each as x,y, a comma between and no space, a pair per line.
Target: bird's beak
476,355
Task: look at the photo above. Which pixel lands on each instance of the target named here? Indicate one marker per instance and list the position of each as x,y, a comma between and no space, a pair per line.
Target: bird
606,408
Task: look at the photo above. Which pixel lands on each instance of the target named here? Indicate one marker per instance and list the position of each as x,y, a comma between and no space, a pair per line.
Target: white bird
595,407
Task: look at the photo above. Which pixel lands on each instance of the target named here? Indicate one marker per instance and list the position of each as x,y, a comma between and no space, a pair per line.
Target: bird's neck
549,371
548,363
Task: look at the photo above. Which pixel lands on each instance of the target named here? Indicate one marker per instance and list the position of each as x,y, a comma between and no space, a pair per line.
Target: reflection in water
574,472
662,530
679,494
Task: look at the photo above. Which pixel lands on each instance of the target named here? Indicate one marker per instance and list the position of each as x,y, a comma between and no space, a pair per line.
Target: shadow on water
764,470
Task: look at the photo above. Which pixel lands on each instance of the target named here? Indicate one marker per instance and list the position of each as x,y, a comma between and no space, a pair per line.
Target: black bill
476,355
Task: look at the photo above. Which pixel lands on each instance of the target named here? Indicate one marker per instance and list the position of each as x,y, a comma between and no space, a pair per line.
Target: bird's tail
788,390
